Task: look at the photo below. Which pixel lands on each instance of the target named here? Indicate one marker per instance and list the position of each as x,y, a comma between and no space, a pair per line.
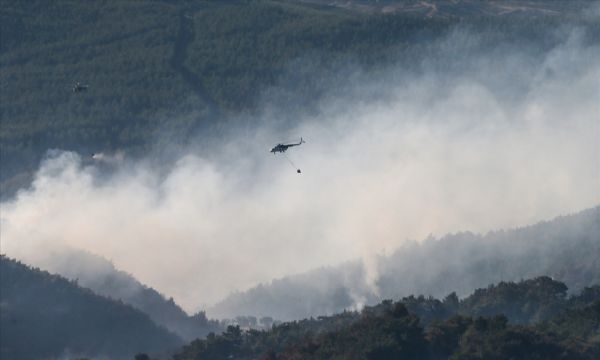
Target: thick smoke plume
484,142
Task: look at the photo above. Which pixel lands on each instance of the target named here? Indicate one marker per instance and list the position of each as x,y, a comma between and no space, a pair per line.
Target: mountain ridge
100,276
532,318
457,262
59,317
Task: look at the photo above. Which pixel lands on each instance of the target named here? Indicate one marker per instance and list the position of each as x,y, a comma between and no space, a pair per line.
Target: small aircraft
281,148
78,87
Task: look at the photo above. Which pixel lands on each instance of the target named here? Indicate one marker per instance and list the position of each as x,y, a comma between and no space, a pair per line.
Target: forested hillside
47,316
567,248
146,124
100,276
160,70
554,325
482,326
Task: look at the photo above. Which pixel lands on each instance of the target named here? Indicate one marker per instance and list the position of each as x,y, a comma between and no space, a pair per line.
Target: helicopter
78,87
281,148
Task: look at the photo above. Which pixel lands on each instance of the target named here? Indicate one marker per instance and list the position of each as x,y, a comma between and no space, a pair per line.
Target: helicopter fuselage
281,148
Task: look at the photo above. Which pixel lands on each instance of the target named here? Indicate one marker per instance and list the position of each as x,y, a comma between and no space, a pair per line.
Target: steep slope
103,278
566,248
47,316
159,70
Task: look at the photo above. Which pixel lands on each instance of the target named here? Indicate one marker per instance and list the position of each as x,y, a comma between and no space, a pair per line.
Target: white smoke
116,158
507,142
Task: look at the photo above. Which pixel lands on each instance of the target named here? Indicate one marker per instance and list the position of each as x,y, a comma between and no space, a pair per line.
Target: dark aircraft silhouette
281,148
78,87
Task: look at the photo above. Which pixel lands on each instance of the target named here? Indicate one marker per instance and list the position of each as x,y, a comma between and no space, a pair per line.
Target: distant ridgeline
566,248
478,327
100,275
45,316
160,70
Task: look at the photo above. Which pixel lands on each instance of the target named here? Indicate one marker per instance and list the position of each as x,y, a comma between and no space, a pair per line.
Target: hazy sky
498,142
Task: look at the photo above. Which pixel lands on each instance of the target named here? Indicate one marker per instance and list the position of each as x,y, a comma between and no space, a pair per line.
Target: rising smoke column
470,148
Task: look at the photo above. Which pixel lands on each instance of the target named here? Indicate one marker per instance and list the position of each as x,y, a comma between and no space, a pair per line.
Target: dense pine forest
47,316
134,105
101,276
565,248
164,70
531,319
